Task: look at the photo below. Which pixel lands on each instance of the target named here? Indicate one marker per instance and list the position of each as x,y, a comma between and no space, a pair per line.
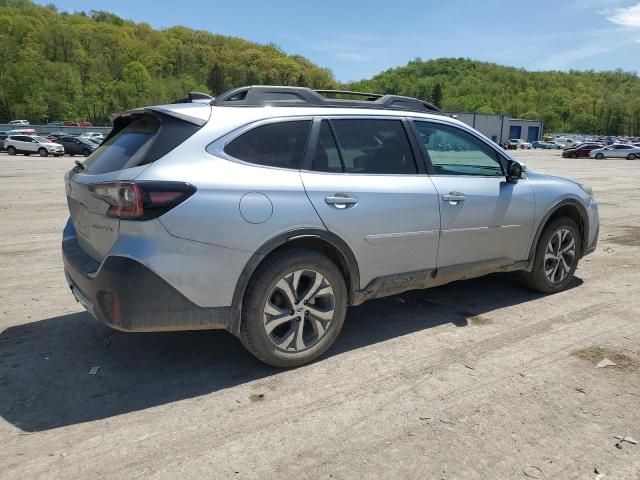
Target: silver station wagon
267,211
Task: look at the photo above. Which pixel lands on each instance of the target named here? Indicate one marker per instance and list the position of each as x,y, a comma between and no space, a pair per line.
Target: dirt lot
478,379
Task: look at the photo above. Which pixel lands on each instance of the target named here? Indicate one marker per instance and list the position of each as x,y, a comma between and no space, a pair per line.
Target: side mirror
514,171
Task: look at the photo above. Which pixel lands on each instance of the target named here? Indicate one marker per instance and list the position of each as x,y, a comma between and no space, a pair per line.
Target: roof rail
262,95
196,97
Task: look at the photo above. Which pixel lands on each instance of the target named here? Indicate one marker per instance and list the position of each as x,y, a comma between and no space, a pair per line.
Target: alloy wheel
560,255
299,310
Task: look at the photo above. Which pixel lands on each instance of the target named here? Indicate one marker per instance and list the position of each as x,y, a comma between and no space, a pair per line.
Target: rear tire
294,308
86,153
556,257
599,156
11,150
43,152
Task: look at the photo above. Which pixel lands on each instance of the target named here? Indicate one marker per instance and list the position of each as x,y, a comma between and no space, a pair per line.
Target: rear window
278,145
138,140
126,148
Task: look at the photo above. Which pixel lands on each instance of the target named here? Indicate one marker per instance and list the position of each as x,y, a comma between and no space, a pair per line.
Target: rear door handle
454,197
340,200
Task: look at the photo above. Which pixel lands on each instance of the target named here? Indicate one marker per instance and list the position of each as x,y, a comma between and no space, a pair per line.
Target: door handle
340,200
454,197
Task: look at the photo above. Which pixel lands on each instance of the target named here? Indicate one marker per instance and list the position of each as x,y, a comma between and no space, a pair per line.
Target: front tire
294,308
631,156
556,257
43,152
599,156
86,152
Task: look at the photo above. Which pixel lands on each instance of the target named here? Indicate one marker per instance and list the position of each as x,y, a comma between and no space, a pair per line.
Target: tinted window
125,149
453,151
374,146
279,144
326,157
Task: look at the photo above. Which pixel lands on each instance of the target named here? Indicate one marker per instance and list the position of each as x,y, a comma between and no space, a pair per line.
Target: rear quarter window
280,144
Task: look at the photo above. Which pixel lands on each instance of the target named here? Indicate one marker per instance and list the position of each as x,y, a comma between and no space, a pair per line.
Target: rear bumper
126,295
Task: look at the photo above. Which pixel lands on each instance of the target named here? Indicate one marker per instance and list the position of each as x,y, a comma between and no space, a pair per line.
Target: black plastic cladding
261,95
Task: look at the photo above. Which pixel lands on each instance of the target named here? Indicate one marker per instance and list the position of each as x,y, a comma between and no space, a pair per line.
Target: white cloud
627,16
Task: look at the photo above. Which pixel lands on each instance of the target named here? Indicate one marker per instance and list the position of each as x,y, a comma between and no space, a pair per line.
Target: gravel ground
478,379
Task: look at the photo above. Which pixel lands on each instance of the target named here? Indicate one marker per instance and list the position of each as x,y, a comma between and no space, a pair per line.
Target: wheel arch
323,241
566,208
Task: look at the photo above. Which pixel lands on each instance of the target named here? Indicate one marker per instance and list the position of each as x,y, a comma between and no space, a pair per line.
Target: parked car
28,144
19,122
53,136
68,123
543,145
85,124
270,221
76,145
617,150
55,123
557,145
22,131
581,151
3,137
94,141
519,143
94,135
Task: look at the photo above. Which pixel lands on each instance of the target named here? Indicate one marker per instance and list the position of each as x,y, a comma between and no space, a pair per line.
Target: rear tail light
141,200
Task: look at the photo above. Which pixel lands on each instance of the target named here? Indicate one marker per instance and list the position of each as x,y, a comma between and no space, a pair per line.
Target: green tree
436,95
215,79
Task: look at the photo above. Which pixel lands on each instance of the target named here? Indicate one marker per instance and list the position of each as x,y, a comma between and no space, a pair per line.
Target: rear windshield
124,149
138,140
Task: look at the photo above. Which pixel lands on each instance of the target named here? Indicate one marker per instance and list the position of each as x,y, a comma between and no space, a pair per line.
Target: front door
363,179
484,218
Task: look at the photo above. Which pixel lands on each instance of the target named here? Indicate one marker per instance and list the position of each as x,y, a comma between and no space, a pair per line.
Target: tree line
90,65
574,101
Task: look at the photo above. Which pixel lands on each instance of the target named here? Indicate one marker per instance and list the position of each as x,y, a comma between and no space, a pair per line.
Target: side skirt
398,283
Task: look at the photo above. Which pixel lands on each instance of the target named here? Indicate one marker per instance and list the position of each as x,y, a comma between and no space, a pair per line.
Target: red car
580,151
67,123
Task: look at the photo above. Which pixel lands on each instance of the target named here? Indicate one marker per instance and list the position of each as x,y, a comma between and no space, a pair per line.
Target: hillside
86,66
590,102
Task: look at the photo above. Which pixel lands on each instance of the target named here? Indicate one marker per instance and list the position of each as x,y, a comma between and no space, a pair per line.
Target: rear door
484,218
363,179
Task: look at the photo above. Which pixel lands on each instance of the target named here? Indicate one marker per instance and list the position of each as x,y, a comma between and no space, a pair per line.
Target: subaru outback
267,211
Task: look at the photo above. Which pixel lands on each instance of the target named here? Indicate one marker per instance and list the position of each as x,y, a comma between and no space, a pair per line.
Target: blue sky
357,39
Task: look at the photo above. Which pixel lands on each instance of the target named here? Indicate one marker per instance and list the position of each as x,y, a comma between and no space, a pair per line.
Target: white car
618,150
19,122
93,136
519,143
28,144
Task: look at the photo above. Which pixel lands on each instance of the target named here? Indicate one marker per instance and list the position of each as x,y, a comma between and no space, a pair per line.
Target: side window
326,157
453,151
279,144
374,146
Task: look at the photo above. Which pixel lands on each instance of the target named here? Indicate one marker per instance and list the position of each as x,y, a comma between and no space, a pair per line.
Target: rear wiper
79,165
